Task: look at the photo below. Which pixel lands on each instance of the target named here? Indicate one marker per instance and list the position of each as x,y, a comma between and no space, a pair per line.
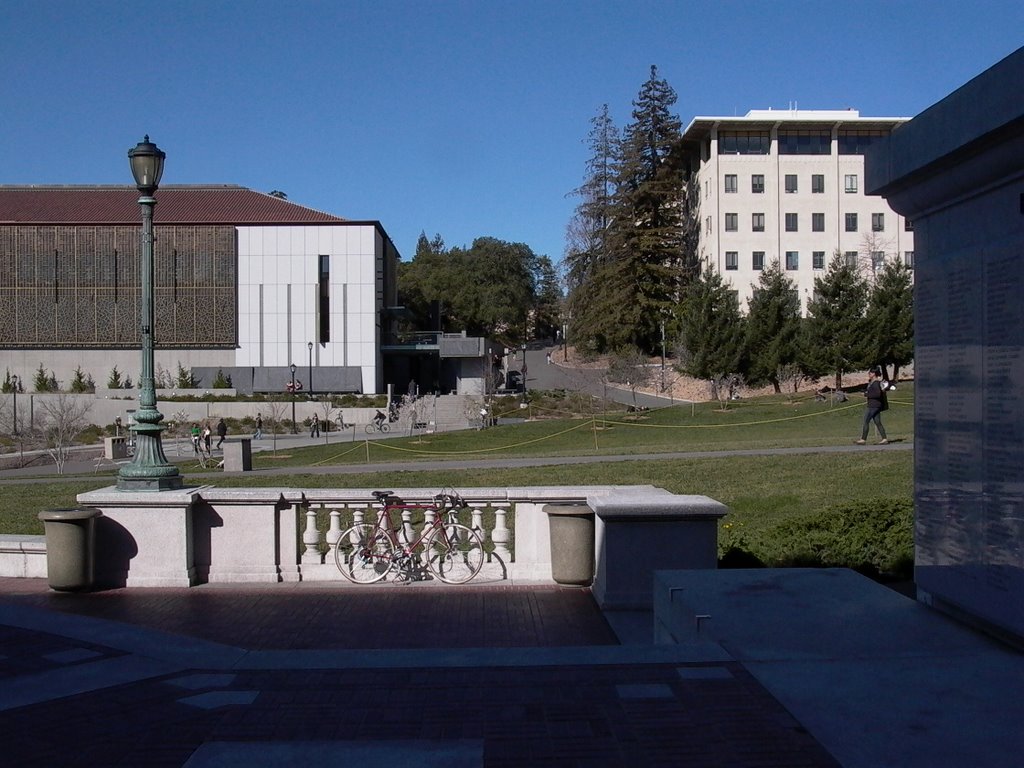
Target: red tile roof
176,204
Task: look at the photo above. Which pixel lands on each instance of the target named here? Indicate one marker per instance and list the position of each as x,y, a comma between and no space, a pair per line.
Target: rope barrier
592,423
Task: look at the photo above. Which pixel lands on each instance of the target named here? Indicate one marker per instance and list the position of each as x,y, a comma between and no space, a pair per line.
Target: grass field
761,490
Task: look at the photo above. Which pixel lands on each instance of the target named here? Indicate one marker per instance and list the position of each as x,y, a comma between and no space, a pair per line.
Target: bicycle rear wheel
455,553
364,554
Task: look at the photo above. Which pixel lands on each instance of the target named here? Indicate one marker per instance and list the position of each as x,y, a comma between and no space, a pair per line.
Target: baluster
477,523
406,534
357,515
500,536
334,531
311,537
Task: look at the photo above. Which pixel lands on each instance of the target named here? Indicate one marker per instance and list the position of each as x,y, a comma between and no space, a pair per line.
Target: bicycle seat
381,495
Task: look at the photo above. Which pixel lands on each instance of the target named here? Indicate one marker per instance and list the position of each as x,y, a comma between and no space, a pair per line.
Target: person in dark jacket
876,403
222,432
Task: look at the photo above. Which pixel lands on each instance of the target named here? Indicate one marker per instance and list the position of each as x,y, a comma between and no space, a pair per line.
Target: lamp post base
149,470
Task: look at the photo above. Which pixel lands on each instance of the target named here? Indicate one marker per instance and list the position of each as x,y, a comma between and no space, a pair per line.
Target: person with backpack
877,402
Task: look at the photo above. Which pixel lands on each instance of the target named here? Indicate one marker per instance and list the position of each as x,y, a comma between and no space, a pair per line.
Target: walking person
196,434
876,403
222,432
207,438
314,426
259,426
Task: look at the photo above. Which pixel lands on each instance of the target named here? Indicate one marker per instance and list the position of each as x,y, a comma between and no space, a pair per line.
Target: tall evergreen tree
586,232
891,316
772,328
646,234
711,329
837,336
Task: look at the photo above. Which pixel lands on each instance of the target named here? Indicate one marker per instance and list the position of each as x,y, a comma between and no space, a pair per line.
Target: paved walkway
310,675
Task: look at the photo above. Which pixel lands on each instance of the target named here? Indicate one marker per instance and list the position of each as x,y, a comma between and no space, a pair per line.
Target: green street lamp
149,469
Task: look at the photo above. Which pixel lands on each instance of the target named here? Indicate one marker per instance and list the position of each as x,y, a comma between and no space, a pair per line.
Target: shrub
874,537
220,381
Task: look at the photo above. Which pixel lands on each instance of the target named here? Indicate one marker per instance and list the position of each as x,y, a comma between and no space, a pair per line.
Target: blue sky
466,119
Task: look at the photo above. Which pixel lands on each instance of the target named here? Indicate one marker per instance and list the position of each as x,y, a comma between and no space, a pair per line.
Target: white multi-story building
789,186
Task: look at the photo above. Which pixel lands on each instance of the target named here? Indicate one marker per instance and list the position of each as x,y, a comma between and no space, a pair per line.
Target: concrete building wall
958,170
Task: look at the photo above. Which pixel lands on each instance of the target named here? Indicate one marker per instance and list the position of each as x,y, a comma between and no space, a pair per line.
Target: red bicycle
452,552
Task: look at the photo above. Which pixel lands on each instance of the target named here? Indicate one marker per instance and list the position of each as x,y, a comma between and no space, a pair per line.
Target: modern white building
244,282
789,186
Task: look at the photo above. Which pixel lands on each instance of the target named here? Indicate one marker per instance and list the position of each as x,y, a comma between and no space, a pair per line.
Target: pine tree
837,334
711,330
646,237
891,316
772,328
585,235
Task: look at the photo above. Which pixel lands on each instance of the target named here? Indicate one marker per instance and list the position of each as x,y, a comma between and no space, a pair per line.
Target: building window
851,222
908,225
707,225
757,183
732,260
908,259
791,222
850,183
324,295
817,222
854,142
792,260
850,257
818,259
809,142
757,222
877,259
730,182
790,183
878,222
744,142
731,222
818,184
757,262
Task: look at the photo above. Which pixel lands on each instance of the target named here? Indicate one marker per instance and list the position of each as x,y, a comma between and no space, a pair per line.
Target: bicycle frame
397,533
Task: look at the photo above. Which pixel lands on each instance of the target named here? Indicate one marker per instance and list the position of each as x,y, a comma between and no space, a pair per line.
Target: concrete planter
572,543
70,547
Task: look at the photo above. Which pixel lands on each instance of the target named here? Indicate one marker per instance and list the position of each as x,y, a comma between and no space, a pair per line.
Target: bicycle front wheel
384,427
364,554
455,553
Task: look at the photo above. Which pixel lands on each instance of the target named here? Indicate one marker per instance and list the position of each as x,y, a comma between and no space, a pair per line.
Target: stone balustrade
209,534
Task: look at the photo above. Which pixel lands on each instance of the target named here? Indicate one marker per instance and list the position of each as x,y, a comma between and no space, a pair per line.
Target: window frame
851,223
792,261
732,222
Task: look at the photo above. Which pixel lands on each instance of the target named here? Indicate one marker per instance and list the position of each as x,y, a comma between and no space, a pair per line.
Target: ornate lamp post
293,397
310,345
149,470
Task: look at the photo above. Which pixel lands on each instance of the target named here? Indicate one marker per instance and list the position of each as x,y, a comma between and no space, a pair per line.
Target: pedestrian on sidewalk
196,434
877,402
259,426
222,432
314,427
207,438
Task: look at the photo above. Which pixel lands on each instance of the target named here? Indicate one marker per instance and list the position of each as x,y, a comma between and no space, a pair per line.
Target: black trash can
572,543
70,547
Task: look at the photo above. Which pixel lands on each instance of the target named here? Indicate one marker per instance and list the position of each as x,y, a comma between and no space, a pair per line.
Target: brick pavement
536,697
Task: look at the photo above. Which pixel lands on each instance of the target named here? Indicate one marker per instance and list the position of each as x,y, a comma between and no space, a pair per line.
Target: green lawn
761,491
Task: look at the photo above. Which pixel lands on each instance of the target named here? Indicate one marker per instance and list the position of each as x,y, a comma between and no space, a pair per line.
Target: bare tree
276,413
327,407
630,366
63,420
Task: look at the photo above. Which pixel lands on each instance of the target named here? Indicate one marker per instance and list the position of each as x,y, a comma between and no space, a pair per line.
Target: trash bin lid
74,513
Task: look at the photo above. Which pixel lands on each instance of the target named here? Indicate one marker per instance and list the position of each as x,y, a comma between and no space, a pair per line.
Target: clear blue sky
464,118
